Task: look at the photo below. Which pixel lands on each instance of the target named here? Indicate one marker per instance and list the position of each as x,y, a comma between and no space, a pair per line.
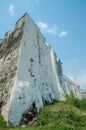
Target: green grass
68,115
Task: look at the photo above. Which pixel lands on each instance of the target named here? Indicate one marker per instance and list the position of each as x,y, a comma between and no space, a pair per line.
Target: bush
70,98
79,103
2,122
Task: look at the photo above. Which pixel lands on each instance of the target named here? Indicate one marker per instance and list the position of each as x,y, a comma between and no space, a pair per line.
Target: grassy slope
69,115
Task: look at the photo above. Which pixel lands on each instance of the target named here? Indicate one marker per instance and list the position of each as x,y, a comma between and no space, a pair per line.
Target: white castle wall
72,87
39,76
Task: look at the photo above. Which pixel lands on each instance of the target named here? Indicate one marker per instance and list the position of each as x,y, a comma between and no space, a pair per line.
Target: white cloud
46,29
51,30
42,25
11,10
63,34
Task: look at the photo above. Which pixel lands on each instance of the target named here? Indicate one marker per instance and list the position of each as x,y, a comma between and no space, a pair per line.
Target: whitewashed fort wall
29,72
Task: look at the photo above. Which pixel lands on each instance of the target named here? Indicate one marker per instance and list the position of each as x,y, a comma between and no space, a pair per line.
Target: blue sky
63,24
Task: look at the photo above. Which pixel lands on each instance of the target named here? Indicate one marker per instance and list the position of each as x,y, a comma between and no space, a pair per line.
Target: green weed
66,115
